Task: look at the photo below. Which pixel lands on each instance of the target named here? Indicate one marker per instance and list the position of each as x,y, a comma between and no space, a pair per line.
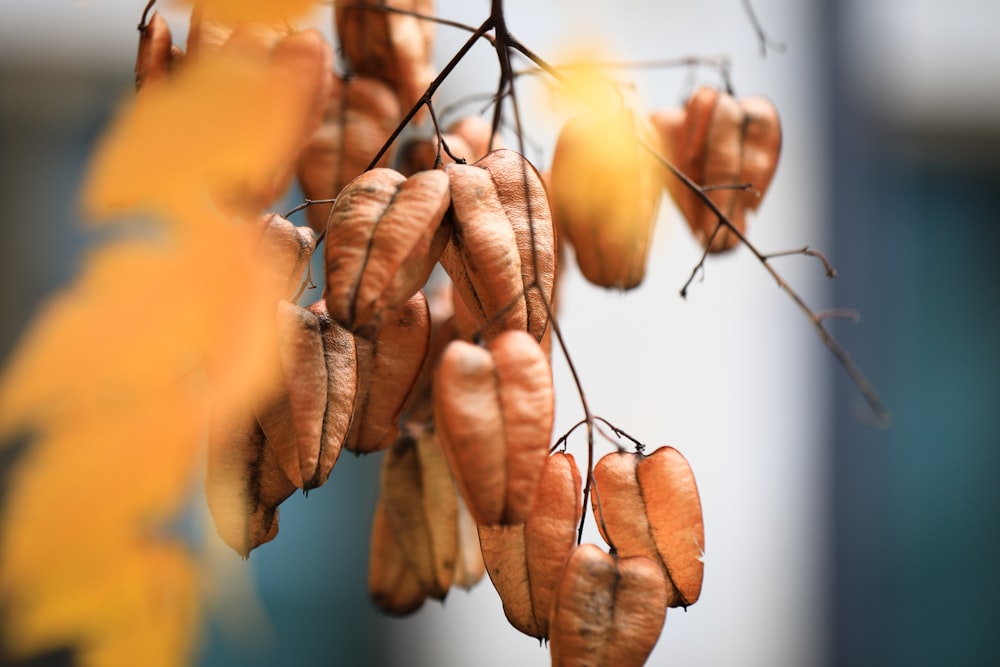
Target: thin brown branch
857,376
762,38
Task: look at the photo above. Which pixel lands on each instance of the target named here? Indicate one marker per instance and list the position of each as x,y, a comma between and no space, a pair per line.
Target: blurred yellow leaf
263,11
114,380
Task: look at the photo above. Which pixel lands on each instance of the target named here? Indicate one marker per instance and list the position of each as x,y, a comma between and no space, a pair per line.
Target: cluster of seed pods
455,390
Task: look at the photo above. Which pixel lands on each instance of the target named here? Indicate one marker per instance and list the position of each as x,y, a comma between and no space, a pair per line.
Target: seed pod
360,116
720,141
502,231
605,195
244,483
469,565
384,238
388,367
210,32
609,610
422,507
392,584
292,407
390,46
526,561
284,250
650,507
493,409
157,54
340,356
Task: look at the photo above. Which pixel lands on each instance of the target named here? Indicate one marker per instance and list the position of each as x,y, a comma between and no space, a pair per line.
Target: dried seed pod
388,367
244,483
210,32
385,236
157,54
390,46
421,504
609,610
493,410
605,194
340,355
285,251
649,506
392,584
720,141
292,407
360,116
469,565
526,561
502,232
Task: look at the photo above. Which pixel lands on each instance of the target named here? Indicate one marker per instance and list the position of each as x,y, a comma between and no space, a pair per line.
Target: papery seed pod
388,367
420,406
526,561
493,410
385,236
157,54
360,116
292,406
390,46
421,503
609,610
244,483
393,586
720,141
605,193
210,32
469,565
649,506
502,231
284,250
340,355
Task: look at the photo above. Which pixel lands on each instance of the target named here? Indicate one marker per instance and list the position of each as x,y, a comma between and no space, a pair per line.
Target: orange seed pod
385,236
394,587
493,410
605,194
650,507
609,610
526,561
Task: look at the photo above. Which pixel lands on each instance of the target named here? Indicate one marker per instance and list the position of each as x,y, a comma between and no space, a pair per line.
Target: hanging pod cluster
607,178
454,389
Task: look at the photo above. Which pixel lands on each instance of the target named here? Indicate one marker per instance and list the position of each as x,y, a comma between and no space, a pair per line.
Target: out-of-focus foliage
113,381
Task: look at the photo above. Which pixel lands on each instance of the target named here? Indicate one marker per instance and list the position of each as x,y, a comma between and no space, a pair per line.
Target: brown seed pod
609,610
605,194
384,238
360,116
244,483
502,231
388,367
493,410
469,565
718,140
526,561
292,407
394,587
390,46
421,504
284,250
157,54
210,32
340,356
649,506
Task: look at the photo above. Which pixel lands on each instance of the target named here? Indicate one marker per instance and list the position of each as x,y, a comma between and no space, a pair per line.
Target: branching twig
762,38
